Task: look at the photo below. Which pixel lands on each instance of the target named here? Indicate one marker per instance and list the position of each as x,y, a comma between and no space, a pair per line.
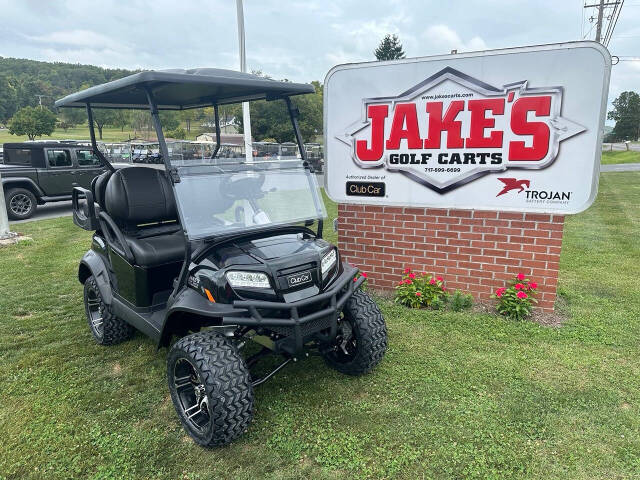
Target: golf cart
217,254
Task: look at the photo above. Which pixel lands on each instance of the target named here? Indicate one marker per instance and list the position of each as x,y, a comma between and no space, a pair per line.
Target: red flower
533,285
443,289
363,274
407,270
401,282
408,282
432,281
418,294
522,295
520,276
439,279
519,286
500,292
412,275
355,279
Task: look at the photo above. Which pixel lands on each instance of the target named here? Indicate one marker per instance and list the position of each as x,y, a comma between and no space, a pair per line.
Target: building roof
183,89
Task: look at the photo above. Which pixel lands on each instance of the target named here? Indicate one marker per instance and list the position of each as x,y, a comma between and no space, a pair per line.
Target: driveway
50,210
621,167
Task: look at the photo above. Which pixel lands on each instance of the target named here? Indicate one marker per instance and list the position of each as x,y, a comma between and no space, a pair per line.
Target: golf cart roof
183,89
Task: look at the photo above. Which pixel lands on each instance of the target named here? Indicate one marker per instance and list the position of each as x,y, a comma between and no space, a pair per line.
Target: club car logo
451,129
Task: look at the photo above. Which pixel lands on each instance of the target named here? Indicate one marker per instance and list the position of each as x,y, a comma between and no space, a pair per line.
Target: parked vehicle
35,173
219,254
315,155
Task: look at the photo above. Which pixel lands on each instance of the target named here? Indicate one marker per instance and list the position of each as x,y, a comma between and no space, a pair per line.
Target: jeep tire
362,337
106,328
21,203
210,387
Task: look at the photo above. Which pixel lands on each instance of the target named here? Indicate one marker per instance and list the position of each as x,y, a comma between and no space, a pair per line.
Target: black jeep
217,252
35,173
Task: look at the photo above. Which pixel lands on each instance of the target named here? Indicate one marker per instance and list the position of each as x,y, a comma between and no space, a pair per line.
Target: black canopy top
183,89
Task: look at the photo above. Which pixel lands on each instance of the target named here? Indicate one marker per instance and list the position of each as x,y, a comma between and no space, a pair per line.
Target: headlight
328,261
248,279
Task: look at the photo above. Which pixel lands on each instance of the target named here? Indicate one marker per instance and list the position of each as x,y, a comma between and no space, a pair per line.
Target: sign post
465,164
4,221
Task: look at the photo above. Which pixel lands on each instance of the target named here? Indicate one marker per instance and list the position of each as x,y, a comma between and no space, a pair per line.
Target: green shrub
516,301
421,290
460,301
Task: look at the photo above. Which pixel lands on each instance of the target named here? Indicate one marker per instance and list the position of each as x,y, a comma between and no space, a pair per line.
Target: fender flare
9,181
93,264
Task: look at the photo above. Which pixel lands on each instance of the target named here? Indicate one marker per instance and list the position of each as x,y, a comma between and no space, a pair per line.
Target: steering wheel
243,187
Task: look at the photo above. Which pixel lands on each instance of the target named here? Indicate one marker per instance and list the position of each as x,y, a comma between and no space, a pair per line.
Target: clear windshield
223,197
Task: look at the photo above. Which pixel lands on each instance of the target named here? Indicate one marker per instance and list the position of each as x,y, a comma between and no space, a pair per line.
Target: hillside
22,81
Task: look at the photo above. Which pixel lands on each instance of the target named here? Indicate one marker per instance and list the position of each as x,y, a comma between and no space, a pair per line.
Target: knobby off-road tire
106,328
21,203
218,396
362,337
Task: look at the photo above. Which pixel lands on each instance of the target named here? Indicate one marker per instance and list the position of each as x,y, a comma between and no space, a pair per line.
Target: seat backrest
98,187
140,195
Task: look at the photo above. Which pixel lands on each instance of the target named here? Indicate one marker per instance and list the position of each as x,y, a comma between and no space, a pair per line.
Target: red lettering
541,106
448,123
377,114
405,114
480,122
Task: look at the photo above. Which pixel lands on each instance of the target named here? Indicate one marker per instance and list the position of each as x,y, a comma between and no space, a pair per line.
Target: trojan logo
451,129
513,184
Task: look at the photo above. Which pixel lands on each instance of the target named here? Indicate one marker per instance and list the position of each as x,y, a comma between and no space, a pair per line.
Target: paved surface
50,210
621,167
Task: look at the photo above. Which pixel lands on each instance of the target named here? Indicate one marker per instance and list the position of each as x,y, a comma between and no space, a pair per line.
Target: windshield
223,197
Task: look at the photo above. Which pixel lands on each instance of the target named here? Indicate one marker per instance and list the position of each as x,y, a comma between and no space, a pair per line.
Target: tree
626,113
70,117
121,119
8,98
271,119
32,122
390,48
101,118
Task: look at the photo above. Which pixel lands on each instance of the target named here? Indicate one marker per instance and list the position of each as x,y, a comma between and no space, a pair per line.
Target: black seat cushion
158,249
99,186
141,202
138,195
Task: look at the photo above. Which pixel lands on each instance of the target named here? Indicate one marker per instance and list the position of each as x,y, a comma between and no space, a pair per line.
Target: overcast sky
298,39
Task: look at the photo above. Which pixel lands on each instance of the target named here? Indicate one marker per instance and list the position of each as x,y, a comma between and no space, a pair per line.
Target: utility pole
246,117
601,6
40,100
599,25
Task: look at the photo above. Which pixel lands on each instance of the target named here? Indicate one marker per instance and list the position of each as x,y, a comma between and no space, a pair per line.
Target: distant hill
21,81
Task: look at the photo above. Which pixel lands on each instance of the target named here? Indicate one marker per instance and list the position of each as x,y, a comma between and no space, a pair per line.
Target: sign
516,129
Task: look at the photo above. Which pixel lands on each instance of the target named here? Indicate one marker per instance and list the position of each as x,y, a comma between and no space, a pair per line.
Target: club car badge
451,129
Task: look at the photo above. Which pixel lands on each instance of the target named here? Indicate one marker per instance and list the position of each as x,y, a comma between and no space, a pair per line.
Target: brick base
474,251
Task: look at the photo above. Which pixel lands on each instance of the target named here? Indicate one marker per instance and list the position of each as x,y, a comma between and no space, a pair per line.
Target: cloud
445,39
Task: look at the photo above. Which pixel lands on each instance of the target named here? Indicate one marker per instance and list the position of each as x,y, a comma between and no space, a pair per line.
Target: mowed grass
81,132
459,395
609,158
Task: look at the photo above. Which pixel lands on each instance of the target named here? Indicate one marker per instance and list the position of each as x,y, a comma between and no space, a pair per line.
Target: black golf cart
217,253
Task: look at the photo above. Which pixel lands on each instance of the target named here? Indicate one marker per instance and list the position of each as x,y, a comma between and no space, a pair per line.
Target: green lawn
81,132
609,158
459,395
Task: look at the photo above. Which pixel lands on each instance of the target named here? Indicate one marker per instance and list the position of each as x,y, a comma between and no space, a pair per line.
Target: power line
617,8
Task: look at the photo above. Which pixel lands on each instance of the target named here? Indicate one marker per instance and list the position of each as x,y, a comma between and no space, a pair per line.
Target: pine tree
390,48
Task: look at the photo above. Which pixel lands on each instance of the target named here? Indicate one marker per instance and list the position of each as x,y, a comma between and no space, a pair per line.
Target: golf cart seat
141,203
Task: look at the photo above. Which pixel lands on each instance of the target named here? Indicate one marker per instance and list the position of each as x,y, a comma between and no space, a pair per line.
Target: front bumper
302,320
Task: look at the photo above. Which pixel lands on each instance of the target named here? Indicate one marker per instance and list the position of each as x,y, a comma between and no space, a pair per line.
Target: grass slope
459,395
631,156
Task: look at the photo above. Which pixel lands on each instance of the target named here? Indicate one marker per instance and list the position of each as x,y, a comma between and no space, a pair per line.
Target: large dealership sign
514,129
